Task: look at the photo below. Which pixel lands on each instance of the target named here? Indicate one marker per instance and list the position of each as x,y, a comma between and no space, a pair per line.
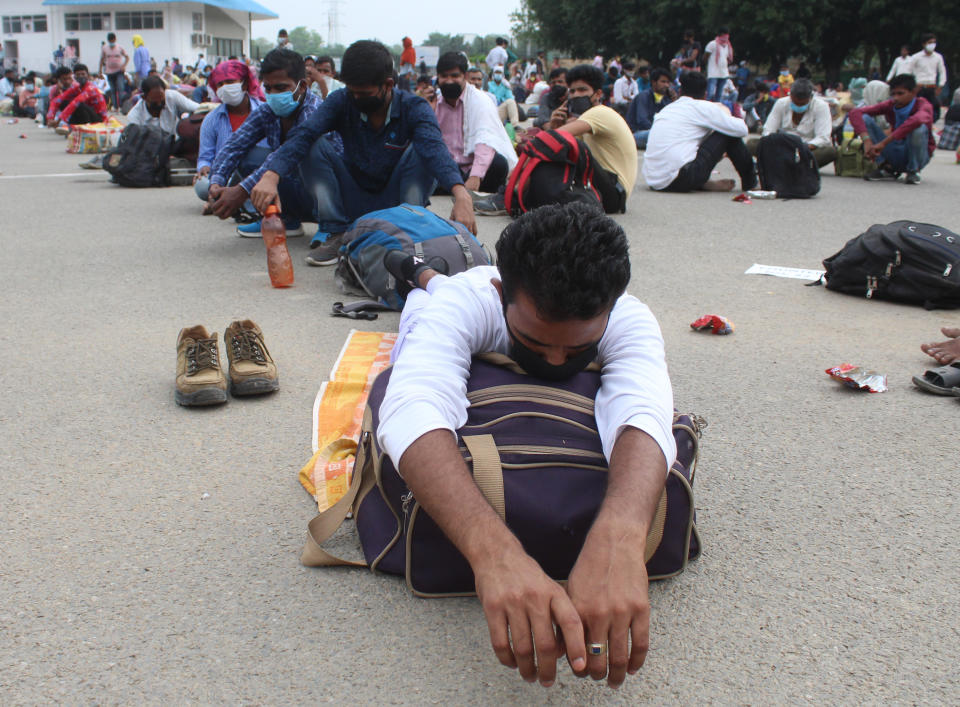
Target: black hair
906,81
688,34
926,37
80,67
285,60
693,84
628,66
556,73
587,73
723,29
474,69
282,31
570,259
760,85
326,60
501,41
655,74
150,83
643,69
111,37
802,88
424,79
366,63
450,61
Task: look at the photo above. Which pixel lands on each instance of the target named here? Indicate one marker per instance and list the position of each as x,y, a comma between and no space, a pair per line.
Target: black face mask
368,104
536,365
451,91
154,108
82,82
579,105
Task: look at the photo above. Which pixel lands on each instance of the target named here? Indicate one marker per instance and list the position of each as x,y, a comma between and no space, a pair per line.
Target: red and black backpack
554,168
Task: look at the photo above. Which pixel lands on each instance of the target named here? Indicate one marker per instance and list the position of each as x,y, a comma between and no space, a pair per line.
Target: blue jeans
909,155
340,201
715,89
294,199
641,137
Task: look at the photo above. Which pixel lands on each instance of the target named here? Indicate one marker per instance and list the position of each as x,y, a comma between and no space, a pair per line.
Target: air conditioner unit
207,40
196,39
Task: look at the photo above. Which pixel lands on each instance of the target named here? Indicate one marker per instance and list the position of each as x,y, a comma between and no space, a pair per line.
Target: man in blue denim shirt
393,153
289,104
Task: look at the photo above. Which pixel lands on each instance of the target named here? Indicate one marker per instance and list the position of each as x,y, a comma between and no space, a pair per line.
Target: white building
32,30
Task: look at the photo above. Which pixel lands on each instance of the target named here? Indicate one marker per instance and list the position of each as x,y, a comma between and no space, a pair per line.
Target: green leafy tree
306,41
261,45
447,42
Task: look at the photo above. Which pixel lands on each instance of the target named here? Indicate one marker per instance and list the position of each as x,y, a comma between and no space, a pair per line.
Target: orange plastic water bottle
278,257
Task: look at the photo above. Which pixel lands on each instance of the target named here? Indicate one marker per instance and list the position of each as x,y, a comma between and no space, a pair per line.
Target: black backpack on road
142,157
903,261
786,165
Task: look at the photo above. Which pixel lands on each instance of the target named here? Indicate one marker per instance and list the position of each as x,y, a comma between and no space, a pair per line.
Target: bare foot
945,351
718,185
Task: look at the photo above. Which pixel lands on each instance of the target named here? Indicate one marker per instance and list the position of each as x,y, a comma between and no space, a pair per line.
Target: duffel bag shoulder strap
325,524
487,472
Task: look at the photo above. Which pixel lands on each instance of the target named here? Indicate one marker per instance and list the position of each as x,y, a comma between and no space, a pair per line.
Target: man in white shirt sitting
160,106
624,90
554,313
689,137
806,116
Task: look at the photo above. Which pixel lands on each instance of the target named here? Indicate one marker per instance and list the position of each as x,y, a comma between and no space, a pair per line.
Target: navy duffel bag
535,453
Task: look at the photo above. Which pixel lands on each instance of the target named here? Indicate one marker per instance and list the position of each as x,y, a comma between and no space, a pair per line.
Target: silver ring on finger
596,649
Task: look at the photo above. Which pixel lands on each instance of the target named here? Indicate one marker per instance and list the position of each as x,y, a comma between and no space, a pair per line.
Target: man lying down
555,303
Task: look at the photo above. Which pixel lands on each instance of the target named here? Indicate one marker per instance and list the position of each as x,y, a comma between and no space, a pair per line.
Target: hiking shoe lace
202,354
246,346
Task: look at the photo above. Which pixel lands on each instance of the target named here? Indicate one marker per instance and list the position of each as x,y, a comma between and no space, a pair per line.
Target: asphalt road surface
828,516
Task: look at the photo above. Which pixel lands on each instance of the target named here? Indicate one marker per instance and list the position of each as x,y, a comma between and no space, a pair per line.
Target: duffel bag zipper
532,394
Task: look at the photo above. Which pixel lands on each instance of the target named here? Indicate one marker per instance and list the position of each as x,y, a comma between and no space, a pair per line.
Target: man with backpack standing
909,145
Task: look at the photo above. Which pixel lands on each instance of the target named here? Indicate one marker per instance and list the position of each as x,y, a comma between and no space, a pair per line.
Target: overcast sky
390,20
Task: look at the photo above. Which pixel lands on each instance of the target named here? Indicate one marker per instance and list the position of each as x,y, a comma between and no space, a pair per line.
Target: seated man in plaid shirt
80,104
289,104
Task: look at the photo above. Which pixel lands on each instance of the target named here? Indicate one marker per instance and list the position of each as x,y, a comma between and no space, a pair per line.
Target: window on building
198,22
227,47
14,24
147,19
86,21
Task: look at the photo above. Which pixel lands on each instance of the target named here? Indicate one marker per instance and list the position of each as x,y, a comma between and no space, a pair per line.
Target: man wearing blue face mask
393,153
289,104
806,116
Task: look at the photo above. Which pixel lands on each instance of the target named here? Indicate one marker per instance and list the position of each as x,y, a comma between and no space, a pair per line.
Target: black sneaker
912,178
880,174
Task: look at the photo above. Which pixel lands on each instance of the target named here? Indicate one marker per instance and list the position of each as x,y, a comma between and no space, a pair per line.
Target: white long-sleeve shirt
428,384
814,127
901,65
624,90
676,135
928,69
176,105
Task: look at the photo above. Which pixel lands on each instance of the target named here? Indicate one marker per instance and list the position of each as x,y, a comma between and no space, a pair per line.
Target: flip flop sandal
940,381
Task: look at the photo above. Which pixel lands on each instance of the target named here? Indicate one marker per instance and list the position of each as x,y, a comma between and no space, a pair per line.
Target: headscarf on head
137,41
235,69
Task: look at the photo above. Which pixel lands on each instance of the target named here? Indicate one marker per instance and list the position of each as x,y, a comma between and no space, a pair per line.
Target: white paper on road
777,271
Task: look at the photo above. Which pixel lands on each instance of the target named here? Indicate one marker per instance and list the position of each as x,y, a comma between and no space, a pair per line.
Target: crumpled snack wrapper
858,378
714,322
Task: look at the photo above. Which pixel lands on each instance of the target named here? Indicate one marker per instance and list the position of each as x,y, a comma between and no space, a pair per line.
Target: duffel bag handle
487,472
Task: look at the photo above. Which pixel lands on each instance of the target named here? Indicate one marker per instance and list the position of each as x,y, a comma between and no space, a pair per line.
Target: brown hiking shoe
251,370
199,378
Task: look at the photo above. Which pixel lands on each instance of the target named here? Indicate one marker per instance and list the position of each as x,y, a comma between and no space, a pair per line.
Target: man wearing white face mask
240,94
930,71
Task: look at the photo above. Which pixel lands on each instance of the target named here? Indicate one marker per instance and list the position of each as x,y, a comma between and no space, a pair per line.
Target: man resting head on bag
555,303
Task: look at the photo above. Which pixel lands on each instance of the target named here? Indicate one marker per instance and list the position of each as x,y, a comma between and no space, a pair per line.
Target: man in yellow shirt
601,130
